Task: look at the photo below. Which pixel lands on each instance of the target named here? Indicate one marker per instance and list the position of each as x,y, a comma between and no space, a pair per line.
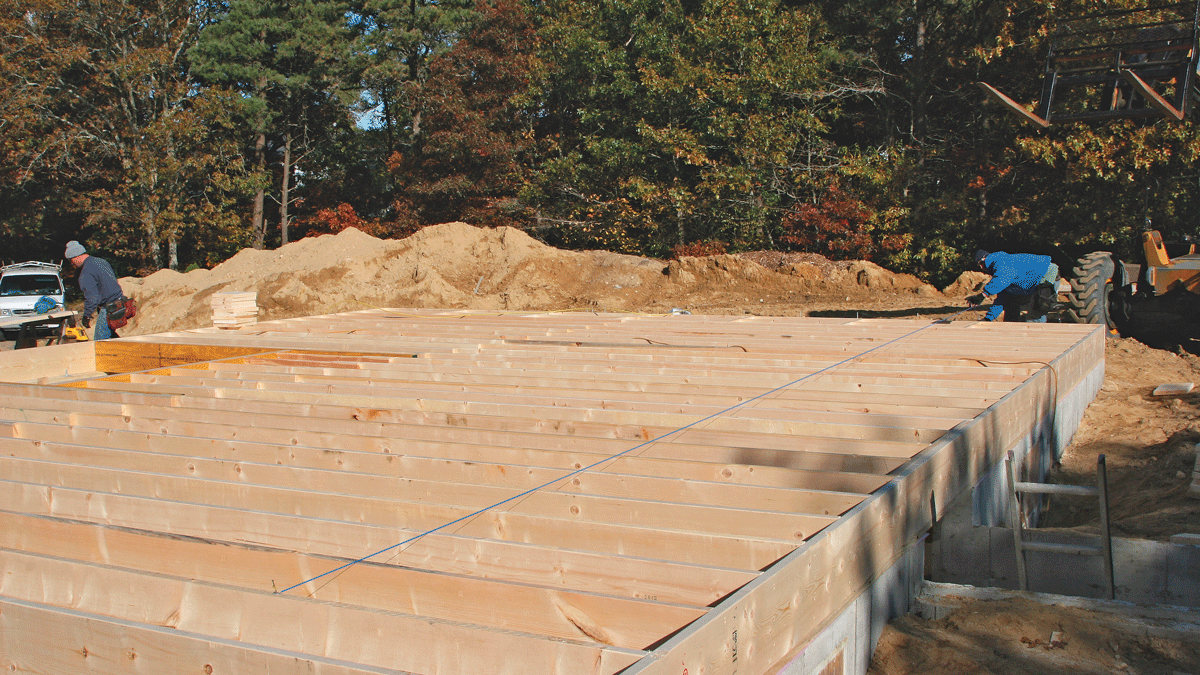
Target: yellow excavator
1136,63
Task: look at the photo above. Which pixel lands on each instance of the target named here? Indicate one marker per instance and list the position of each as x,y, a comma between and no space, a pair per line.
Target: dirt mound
722,269
784,261
967,283
868,275
456,265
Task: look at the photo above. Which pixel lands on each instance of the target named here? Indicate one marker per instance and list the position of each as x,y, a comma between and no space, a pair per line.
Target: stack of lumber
231,310
447,492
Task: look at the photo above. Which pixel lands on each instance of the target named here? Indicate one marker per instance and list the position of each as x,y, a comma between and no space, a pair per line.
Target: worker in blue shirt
101,292
1019,281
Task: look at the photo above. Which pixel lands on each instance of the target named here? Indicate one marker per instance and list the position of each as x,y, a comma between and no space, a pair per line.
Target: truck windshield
30,284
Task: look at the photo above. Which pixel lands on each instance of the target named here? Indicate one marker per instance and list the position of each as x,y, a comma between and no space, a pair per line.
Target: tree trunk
151,228
260,160
173,252
920,84
285,187
386,95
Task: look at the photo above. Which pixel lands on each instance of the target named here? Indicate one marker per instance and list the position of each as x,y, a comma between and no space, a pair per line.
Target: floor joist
419,491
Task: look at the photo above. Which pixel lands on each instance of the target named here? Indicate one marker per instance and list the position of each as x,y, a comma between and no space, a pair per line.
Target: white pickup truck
22,285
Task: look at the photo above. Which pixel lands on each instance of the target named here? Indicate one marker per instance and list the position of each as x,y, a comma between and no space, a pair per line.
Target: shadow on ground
884,314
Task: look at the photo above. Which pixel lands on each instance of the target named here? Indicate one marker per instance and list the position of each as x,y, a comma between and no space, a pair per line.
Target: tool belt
119,312
1045,298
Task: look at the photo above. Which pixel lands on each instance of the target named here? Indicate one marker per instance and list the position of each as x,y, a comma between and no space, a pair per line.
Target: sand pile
456,265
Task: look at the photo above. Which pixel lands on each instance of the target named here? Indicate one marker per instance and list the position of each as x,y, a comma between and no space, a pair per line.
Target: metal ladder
1102,549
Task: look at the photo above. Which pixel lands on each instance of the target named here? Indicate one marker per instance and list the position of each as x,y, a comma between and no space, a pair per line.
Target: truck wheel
1092,282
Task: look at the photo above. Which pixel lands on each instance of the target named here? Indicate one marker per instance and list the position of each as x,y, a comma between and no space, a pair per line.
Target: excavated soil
1017,636
1148,441
459,266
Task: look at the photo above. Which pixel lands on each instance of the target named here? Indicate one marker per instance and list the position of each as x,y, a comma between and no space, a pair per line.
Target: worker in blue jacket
1019,281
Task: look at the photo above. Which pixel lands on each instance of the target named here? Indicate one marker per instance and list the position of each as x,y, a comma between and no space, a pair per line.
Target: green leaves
675,123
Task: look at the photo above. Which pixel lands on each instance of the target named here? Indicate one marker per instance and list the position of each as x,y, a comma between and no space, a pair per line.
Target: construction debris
1177,389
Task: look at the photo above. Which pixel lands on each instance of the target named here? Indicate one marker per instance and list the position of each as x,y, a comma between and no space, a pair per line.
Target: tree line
168,133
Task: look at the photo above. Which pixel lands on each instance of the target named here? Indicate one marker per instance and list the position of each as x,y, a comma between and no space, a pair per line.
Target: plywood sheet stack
232,310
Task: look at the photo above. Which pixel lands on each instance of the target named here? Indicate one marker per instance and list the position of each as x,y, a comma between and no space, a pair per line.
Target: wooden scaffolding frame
579,492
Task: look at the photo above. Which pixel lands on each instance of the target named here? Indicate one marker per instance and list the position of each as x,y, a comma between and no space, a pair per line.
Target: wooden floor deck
459,492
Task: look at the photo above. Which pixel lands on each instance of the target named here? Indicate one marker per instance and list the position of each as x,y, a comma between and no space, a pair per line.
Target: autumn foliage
474,148
698,249
166,133
334,220
838,226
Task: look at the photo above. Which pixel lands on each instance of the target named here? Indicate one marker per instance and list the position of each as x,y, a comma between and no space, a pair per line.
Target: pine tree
294,63
399,38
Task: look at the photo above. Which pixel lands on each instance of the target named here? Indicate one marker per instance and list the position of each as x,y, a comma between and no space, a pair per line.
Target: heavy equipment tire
1091,283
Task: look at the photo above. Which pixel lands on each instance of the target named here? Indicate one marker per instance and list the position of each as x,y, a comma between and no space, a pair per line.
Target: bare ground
1018,636
1148,441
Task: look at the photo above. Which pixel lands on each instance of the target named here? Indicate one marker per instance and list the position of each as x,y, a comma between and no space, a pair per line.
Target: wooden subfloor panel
351,539
281,421
807,454
43,638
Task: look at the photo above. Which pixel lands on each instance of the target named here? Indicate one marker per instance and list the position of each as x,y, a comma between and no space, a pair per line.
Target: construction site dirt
1149,441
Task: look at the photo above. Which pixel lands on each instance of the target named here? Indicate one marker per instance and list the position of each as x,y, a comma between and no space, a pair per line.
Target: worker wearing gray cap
100,288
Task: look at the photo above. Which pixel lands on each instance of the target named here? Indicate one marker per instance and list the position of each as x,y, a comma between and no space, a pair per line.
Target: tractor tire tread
1088,299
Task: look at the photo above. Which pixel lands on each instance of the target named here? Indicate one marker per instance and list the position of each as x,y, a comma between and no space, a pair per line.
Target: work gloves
975,300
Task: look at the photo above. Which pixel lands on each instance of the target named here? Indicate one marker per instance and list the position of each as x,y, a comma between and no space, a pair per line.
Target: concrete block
1140,570
1173,389
1194,489
1144,571
1002,562
1183,570
961,553
1064,574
